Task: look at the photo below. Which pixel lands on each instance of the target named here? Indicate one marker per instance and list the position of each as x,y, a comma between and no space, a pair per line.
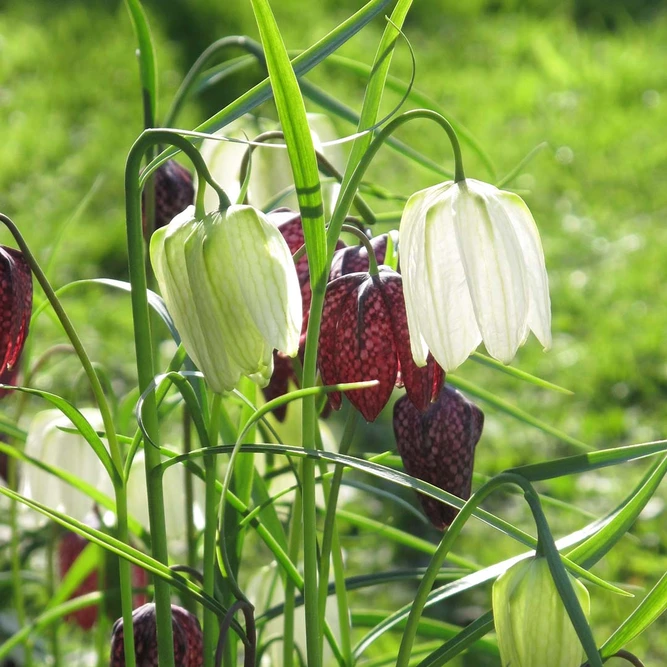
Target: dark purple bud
188,638
354,259
438,447
364,336
174,192
15,309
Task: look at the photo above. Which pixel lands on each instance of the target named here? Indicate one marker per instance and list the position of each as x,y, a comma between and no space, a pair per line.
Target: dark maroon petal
9,376
174,192
354,259
337,295
15,306
441,451
69,548
365,349
283,372
188,640
419,382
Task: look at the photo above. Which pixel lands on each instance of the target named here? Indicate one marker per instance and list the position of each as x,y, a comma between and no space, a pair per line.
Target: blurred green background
587,77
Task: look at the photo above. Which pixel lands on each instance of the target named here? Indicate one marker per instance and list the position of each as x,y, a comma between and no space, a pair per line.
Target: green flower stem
51,587
289,585
350,187
145,363
323,165
191,534
17,587
366,242
545,546
107,419
206,58
330,541
211,624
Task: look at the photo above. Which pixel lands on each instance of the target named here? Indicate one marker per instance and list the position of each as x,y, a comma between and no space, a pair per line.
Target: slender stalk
330,541
51,587
211,625
191,533
145,363
289,587
366,242
17,587
107,419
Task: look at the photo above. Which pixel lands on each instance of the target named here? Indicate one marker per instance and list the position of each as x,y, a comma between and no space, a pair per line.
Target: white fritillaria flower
271,174
473,270
48,443
230,284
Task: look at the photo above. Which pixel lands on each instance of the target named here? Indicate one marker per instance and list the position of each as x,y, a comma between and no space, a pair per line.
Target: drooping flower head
174,192
271,183
364,336
15,309
188,638
474,271
230,284
438,447
532,624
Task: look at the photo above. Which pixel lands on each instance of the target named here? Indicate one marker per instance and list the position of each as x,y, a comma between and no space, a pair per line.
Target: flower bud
174,192
188,638
438,447
533,627
229,283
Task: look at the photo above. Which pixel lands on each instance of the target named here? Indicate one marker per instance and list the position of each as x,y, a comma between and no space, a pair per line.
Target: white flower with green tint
230,285
271,182
533,627
473,270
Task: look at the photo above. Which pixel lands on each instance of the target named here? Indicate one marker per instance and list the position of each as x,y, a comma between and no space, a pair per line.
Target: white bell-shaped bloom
174,503
473,270
47,442
271,174
230,284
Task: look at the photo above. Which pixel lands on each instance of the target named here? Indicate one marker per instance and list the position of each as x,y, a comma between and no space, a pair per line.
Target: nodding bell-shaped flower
230,284
364,336
49,443
188,638
533,627
15,309
174,192
438,447
474,271
271,183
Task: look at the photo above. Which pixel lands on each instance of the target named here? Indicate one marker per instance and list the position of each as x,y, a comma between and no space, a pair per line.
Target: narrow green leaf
82,426
515,412
463,640
146,55
294,124
603,458
517,373
302,64
613,527
648,611
85,563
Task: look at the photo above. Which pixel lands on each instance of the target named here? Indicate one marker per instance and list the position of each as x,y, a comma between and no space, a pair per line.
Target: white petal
494,267
539,309
267,279
411,235
451,330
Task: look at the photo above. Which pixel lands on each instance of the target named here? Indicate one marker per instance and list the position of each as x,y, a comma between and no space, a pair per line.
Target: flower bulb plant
198,486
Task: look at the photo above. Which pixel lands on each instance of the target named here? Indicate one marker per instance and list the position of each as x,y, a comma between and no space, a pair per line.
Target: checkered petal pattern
15,308
438,447
174,192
